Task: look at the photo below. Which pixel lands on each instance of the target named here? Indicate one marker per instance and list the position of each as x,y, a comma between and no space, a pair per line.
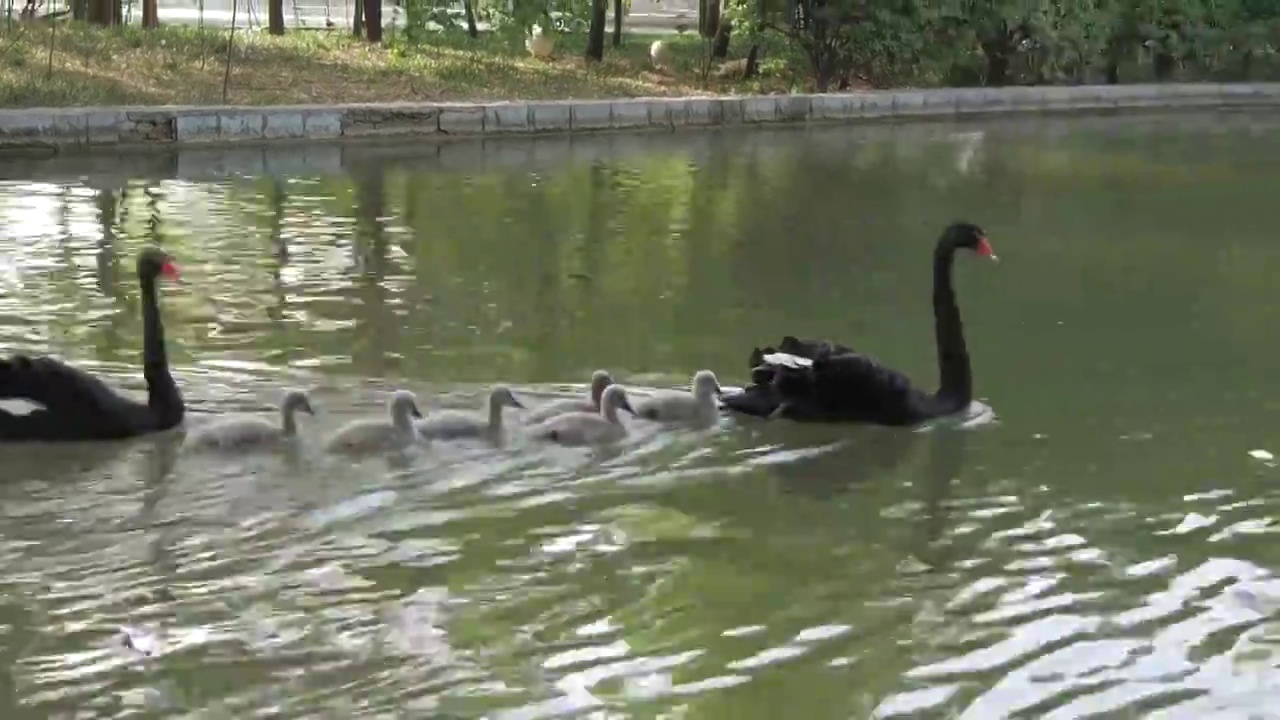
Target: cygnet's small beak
308,409
626,405
414,411
515,402
719,391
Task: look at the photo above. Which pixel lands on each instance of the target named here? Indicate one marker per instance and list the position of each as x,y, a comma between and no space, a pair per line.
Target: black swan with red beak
821,381
76,406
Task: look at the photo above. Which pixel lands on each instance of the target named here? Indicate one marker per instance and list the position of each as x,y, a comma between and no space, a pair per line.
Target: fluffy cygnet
698,406
241,432
585,428
455,424
394,432
600,380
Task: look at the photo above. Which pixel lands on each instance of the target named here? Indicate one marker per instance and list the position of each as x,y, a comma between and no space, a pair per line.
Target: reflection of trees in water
703,268
108,259
377,334
548,294
592,258
753,242
155,217
277,199
111,281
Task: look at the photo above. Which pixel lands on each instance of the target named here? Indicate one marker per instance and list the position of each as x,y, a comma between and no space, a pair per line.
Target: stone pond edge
205,125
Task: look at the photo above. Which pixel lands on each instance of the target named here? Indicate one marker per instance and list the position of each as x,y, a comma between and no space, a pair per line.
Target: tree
275,16
617,23
720,44
1000,27
103,12
469,8
150,15
595,32
373,20
708,18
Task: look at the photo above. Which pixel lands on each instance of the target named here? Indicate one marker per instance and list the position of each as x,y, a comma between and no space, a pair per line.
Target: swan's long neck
289,420
597,391
610,411
955,380
495,414
162,393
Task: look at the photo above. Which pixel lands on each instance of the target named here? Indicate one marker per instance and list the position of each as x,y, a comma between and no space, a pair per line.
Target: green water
1103,548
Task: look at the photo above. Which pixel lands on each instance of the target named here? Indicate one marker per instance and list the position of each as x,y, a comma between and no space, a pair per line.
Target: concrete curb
160,126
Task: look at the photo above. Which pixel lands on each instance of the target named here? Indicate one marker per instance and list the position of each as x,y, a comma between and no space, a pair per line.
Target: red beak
984,249
169,270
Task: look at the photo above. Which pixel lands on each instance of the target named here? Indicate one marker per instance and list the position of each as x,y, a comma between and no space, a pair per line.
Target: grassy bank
75,65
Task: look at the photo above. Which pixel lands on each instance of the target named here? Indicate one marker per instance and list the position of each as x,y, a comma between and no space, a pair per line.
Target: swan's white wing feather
788,360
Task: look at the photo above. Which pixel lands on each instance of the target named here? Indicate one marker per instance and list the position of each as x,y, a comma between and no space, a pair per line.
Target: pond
1101,548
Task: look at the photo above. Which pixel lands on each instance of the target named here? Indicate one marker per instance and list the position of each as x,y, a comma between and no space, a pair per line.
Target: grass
70,64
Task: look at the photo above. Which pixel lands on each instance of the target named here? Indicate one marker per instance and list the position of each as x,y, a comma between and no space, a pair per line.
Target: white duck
585,428
600,380
394,432
454,424
698,406
239,432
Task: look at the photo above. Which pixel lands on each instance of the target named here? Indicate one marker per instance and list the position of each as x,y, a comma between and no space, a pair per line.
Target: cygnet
698,406
584,428
394,432
455,424
600,380
241,432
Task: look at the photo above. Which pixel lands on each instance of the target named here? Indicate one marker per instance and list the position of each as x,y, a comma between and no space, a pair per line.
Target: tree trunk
357,19
1113,72
150,14
997,64
617,23
753,57
373,20
101,12
1165,63
708,18
275,17
117,12
595,33
80,10
470,11
720,46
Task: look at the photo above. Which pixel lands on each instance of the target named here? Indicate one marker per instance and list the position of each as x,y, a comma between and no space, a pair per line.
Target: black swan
78,406
820,381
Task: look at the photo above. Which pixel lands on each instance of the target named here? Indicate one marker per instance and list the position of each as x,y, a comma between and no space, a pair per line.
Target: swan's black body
77,406
843,385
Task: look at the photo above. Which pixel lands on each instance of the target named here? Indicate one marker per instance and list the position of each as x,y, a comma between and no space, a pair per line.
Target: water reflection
1087,555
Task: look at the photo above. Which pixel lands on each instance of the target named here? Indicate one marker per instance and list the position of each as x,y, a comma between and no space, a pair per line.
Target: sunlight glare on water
1090,540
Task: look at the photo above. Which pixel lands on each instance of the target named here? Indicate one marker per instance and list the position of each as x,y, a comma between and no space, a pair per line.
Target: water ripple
1099,549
